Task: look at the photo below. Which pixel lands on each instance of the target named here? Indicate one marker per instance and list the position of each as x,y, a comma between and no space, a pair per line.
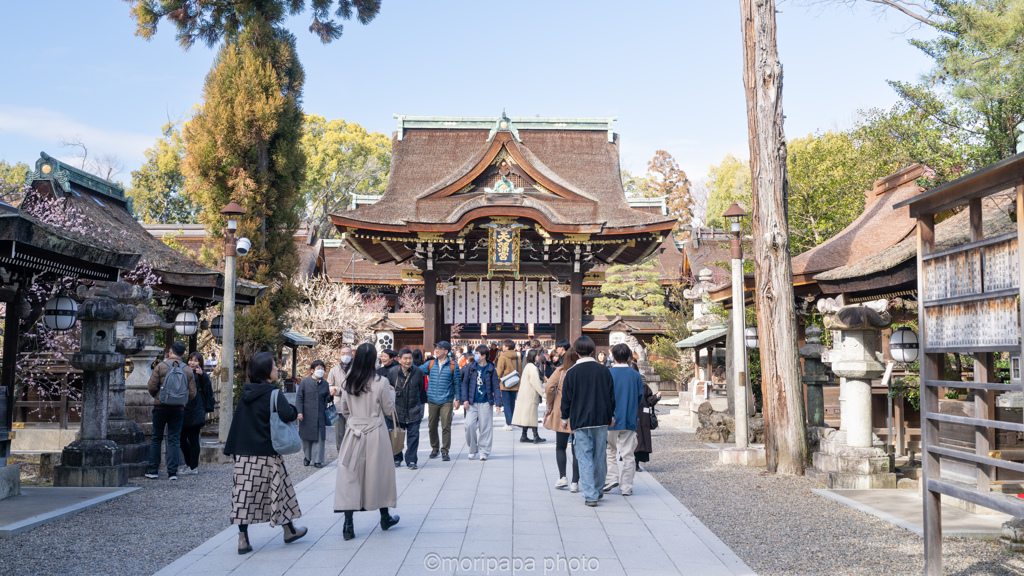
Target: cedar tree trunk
785,431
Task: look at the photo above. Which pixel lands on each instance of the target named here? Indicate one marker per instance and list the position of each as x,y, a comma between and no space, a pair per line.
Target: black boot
291,533
524,438
243,539
387,520
348,530
536,437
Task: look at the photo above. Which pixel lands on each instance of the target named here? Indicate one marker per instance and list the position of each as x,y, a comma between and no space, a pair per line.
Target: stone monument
138,402
852,457
94,460
121,429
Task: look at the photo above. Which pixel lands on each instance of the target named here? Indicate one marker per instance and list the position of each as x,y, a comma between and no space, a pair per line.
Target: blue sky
669,70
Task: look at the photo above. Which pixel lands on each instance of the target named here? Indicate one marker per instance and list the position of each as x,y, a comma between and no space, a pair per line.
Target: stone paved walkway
502,516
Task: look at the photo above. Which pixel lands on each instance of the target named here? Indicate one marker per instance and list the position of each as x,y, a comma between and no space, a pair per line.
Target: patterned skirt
262,492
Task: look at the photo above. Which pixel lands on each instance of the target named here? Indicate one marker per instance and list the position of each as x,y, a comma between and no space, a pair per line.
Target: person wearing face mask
311,401
335,380
480,391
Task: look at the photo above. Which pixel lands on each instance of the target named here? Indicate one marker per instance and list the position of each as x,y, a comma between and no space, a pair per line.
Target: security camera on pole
742,453
227,353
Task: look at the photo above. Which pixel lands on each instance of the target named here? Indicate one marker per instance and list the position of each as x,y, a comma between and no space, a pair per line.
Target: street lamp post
735,215
227,352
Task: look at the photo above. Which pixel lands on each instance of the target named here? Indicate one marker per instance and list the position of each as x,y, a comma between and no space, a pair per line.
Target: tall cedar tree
243,144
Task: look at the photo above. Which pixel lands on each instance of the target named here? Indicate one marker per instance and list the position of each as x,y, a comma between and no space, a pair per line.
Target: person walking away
172,384
622,439
366,478
311,401
261,489
195,415
588,407
480,394
644,446
443,393
528,398
553,422
417,358
335,378
410,395
507,362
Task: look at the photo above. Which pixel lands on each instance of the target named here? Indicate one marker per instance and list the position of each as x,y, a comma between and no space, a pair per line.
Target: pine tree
631,291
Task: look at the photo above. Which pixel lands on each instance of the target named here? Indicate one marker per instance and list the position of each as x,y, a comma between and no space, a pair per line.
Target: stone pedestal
852,457
96,461
752,456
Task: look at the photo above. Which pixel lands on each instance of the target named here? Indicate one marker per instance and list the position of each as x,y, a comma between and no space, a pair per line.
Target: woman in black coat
261,489
644,446
195,415
311,402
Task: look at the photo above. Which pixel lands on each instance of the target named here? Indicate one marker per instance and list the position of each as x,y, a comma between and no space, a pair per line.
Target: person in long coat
261,490
311,402
553,422
366,473
644,446
528,398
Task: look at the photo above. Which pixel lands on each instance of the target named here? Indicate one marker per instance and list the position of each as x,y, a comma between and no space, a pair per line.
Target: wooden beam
930,364
575,306
429,309
10,361
984,408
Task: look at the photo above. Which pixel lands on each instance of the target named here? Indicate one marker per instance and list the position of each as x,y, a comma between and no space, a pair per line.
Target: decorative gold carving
577,238
412,275
503,154
504,220
430,236
466,230
543,233
465,188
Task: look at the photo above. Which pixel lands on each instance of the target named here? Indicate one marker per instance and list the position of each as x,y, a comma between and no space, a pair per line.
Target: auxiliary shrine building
504,221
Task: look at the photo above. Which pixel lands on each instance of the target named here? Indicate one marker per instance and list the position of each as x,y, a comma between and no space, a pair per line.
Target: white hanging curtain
485,302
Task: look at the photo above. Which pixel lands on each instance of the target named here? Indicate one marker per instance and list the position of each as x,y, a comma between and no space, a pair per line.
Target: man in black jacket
410,395
588,407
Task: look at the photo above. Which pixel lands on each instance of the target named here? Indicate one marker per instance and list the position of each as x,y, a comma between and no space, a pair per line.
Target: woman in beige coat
528,398
553,422
366,471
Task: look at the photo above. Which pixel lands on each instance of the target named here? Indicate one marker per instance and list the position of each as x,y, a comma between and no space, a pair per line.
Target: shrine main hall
503,219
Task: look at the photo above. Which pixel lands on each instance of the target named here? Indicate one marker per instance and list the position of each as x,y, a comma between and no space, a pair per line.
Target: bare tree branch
76,142
923,12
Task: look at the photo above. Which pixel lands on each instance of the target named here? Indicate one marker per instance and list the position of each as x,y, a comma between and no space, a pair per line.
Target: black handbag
654,419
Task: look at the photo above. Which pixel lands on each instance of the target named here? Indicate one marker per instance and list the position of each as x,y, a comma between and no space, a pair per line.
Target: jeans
480,428
190,446
440,414
172,419
508,400
412,442
590,447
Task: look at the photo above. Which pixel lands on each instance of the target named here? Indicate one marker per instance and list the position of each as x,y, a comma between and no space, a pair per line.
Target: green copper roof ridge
81,177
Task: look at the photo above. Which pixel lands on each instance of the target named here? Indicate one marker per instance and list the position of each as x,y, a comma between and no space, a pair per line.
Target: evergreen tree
158,187
631,291
243,144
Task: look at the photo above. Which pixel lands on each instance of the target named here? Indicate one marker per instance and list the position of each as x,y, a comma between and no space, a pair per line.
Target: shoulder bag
283,435
512,378
397,435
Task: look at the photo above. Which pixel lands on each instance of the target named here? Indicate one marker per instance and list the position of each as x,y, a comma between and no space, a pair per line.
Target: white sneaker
507,427
152,476
472,456
574,487
188,472
562,483
483,457
173,478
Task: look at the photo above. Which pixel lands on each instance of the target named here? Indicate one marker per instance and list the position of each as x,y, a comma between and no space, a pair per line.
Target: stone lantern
814,376
94,460
138,402
123,430
852,457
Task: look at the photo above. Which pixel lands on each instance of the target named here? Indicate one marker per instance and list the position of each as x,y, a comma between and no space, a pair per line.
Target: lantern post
735,215
227,352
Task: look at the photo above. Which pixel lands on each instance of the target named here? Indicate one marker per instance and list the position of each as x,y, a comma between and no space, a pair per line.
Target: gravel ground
138,533
779,527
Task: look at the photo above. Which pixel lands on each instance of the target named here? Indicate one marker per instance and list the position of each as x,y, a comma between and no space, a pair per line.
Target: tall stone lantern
123,430
814,376
94,460
852,457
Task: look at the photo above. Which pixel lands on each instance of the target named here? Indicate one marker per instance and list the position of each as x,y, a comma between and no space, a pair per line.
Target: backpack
456,372
174,391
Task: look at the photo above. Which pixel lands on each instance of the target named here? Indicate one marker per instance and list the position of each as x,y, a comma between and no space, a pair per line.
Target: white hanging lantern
186,323
750,337
903,346
217,327
60,312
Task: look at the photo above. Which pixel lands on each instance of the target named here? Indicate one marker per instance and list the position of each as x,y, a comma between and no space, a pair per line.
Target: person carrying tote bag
261,488
366,472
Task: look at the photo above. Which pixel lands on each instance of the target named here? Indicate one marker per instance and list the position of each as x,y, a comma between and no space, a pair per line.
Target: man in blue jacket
480,392
629,390
443,386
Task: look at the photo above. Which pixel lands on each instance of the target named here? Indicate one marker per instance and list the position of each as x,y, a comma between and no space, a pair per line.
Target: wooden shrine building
503,218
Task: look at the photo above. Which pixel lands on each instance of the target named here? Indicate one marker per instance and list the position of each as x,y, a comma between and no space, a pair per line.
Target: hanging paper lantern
217,327
903,346
750,336
60,312
186,323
